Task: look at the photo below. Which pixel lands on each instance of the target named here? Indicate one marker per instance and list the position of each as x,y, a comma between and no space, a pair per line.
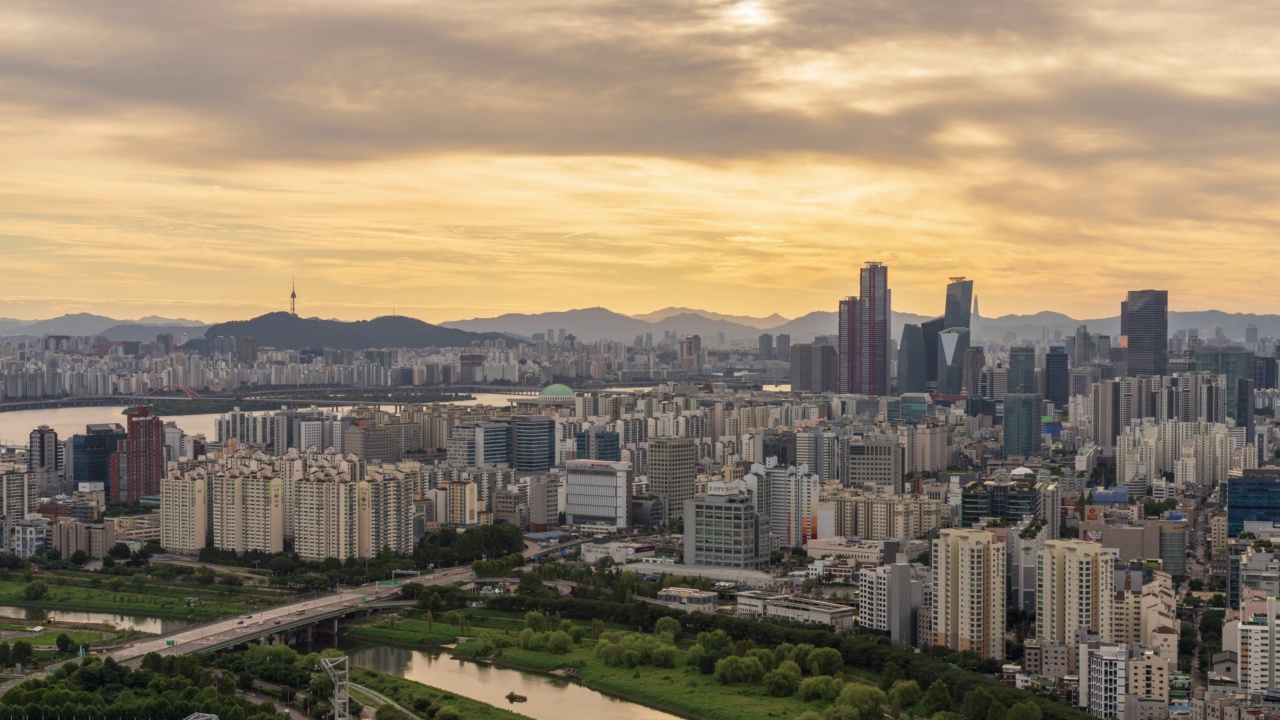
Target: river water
548,698
158,626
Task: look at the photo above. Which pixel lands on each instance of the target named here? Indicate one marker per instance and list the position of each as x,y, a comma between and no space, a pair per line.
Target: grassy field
78,591
408,693
408,633
681,690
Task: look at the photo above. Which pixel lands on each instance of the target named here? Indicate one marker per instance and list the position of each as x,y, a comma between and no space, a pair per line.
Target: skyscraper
959,300
1022,370
969,592
1022,424
1144,331
673,469
137,466
1057,376
766,346
1233,362
44,457
913,369
952,345
814,368
865,334
974,361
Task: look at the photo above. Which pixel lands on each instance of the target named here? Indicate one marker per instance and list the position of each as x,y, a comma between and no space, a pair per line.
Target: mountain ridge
286,331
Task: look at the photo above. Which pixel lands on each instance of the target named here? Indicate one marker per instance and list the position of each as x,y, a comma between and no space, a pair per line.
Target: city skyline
747,156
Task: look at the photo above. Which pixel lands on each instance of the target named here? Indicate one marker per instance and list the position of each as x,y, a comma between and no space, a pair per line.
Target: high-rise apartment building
597,493
1075,589
19,491
45,457
184,511
248,509
138,464
969,592
463,504
338,516
673,468
1144,331
793,503
865,334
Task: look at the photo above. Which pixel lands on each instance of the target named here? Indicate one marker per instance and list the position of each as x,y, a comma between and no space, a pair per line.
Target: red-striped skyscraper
865,334
137,465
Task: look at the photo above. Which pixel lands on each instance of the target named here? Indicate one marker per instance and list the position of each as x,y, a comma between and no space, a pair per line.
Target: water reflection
157,626
548,697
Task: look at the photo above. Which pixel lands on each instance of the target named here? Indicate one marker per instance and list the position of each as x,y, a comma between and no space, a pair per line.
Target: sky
449,160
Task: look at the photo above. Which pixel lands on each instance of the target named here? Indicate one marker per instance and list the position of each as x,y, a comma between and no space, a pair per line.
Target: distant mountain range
282,330
86,324
602,324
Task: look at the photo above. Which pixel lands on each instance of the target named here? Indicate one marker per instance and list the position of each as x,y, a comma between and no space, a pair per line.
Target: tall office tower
814,368
184,511
782,348
137,466
1057,376
1084,349
673,468
45,457
598,443
248,510
597,493
766,346
91,454
1251,333
1022,424
959,300
974,360
952,345
913,369
1022,370
1144,331
931,329
1075,590
969,592
1244,409
1264,373
865,334
534,442
1235,363
975,323
723,528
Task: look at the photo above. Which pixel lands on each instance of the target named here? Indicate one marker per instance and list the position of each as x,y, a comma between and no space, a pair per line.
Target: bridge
282,619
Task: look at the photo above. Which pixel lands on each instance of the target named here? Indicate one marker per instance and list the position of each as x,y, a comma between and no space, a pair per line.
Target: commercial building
969,592
597,443
760,604
673,468
689,598
814,368
1144,332
94,539
876,463
1022,424
1022,370
597,493
882,517
91,453
723,529
1252,496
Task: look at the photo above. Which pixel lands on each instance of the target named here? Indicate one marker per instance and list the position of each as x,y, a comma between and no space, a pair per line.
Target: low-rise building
760,604
689,598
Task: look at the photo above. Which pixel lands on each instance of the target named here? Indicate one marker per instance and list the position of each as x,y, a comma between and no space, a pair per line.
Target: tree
1027,710
977,702
6,656
668,624
63,642
938,698
906,693
535,621
22,652
823,687
733,670
840,712
866,699
120,551
825,661
36,590
997,712
782,682
890,675
79,557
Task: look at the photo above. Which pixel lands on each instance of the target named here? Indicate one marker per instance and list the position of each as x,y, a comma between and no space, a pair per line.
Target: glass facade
1251,498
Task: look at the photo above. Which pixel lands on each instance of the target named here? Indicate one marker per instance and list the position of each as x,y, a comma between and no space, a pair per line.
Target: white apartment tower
248,510
184,511
1075,590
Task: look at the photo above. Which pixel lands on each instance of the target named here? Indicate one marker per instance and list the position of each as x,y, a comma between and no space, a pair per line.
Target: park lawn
412,633
681,690
405,692
78,637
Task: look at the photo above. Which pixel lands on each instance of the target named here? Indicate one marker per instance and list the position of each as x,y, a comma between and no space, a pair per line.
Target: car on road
277,622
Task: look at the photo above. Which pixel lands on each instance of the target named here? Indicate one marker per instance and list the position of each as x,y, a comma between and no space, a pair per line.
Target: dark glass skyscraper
1144,331
1022,424
913,369
959,304
1057,376
91,453
1022,370
1233,362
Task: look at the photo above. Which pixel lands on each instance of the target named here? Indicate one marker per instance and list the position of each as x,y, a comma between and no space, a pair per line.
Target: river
548,698
157,626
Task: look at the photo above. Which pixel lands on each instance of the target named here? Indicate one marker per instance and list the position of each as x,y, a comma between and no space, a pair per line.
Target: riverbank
402,633
681,690
420,698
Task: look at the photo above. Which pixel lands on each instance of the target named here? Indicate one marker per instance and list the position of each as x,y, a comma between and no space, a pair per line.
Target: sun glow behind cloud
741,156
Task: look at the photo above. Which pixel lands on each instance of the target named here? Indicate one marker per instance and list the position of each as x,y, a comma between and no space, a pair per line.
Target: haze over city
743,157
